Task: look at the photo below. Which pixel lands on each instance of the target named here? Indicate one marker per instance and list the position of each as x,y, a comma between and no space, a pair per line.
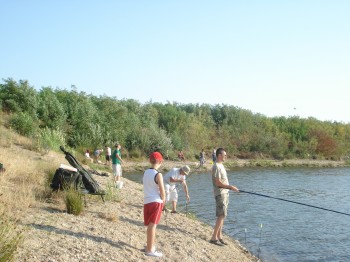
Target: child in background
154,199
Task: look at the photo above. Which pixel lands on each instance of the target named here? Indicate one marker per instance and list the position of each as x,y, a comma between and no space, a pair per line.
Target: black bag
64,178
89,183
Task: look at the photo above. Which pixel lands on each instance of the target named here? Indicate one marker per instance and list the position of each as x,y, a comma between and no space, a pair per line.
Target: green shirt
115,159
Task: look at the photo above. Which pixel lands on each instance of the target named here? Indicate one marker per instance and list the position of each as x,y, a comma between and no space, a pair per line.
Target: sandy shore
114,231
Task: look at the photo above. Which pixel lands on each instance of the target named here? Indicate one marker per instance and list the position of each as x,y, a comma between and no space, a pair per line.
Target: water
276,230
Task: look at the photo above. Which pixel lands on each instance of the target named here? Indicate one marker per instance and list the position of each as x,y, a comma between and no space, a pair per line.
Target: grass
22,184
112,193
25,179
10,238
192,215
74,201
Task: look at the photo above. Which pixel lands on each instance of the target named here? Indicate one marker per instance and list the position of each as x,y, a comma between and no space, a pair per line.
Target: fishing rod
295,202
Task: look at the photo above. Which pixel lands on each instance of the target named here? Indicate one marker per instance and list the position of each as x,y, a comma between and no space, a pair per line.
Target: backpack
64,178
89,182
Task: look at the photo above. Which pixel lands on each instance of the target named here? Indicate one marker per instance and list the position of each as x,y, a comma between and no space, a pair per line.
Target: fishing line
295,202
261,226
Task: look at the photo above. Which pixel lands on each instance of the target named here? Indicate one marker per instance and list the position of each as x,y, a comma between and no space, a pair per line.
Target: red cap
156,156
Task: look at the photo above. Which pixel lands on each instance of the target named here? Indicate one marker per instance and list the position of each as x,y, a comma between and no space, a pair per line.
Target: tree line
80,120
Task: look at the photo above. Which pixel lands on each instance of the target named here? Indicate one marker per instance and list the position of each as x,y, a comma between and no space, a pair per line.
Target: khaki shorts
221,204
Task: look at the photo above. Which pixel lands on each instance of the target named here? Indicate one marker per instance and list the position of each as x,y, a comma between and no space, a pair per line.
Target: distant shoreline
231,164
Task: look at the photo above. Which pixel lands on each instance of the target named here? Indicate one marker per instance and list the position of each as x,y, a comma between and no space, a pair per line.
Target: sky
276,58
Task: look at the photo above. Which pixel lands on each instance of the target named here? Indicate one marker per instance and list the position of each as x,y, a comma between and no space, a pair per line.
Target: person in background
117,163
221,192
181,155
108,155
154,199
87,155
213,155
97,153
201,158
167,155
176,175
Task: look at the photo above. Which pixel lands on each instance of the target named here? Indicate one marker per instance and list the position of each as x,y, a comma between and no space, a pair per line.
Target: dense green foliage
85,121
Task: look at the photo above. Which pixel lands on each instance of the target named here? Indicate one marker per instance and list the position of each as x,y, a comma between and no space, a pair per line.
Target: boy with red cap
154,199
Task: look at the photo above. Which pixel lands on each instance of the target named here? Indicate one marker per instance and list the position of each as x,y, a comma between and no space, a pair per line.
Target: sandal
223,242
216,242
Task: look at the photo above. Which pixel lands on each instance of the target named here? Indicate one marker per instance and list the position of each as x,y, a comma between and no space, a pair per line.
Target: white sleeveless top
150,188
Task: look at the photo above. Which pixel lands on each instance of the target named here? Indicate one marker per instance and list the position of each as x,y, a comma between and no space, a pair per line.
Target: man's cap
186,169
156,156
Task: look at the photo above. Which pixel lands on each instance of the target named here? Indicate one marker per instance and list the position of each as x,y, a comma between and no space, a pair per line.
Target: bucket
119,184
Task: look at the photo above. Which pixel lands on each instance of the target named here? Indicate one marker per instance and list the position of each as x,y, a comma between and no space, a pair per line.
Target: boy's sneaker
154,254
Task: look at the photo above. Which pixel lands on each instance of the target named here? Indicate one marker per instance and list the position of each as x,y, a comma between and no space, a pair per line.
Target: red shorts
152,213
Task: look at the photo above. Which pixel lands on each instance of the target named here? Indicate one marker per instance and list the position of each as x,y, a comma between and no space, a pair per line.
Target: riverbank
114,231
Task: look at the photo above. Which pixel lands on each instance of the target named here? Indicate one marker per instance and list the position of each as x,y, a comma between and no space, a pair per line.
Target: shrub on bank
9,239
74,202
23,123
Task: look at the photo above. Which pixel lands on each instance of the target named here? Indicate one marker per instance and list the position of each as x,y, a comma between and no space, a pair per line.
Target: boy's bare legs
151,235
217,234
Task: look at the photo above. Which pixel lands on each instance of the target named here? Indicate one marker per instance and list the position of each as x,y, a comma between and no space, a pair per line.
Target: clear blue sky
271,57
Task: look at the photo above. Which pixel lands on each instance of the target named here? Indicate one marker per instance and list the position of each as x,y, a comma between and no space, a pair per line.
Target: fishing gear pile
78,177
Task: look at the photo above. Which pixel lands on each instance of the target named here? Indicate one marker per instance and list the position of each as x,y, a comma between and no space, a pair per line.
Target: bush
49,139
45,193
9,239
149,140
136,153
23,123
74,202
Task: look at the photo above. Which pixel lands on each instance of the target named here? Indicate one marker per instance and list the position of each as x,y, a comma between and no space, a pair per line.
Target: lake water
276,230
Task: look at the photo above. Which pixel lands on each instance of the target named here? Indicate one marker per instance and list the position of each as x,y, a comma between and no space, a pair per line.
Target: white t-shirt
175,174
109,151
150,188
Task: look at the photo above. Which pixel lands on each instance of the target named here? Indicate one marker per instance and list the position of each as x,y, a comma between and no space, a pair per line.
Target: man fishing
176,175
221,192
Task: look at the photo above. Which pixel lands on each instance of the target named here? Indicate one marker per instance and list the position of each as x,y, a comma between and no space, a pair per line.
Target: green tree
50,111
18,97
